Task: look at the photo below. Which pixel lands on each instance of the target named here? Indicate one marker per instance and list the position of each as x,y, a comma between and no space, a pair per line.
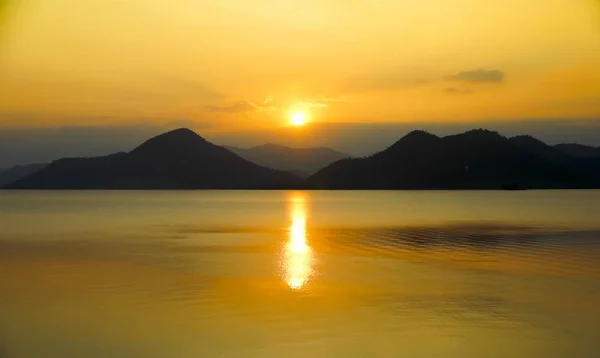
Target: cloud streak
478,76
242,106
307,104
452,90
237,107
270,103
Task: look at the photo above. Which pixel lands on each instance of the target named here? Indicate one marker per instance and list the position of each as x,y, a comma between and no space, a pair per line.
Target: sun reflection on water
298,256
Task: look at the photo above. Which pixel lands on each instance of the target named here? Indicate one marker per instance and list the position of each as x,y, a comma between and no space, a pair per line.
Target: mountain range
301,161
477,159
181,159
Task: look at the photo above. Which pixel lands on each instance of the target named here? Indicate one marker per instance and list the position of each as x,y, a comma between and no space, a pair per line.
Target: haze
237,66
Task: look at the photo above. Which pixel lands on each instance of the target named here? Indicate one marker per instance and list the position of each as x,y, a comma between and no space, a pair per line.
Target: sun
298,118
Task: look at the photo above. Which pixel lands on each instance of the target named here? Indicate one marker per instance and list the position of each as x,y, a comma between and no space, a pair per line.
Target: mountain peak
478,136
416,136
483,133
178,139
419,133
412,139
179,159
180,133
525,138
477,159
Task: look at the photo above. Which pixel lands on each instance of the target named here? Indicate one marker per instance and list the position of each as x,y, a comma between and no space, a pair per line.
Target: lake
299,274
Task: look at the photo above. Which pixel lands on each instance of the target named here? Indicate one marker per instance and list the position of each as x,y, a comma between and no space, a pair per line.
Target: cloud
308,104
243,106
478,76
270,104
334,99
237,107
452,90
322,102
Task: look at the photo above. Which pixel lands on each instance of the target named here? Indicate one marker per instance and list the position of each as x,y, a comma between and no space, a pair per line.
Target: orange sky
243,64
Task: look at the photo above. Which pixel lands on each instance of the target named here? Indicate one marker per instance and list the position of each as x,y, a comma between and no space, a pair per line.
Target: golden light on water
298,256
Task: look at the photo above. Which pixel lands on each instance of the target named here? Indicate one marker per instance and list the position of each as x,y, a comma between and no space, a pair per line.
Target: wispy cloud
478,76
237,107
243,106
308,104
319,102
334,99
452,90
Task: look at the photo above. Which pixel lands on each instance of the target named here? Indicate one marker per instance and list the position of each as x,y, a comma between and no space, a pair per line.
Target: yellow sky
246,63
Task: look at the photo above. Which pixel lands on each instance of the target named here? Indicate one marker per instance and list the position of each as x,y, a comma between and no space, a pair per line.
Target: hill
579,150
179,159
477,159
295,160
583,166
17,172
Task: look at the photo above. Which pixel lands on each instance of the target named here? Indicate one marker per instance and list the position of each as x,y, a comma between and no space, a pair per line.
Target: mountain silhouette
179,159
579,150
582,166
477,159
300,161
17,172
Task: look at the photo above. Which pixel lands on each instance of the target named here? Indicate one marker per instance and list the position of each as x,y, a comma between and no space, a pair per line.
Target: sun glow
297,257
298,118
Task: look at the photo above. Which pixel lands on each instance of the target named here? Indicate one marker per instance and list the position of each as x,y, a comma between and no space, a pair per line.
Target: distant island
181,159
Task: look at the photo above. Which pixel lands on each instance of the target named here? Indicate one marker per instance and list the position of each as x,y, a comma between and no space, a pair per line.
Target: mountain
579,150
295,160
17,172
583,166
534,145
477,159
179,159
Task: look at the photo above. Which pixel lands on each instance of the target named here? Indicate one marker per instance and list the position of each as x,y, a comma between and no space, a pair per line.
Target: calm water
300,274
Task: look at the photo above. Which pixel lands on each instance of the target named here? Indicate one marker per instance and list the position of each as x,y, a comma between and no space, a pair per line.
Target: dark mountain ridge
579,150
477,159
179,159
582,166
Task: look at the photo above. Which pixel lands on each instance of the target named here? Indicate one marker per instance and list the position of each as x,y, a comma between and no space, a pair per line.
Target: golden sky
243,64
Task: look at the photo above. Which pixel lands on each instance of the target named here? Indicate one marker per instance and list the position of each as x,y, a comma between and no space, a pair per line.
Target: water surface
299,274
